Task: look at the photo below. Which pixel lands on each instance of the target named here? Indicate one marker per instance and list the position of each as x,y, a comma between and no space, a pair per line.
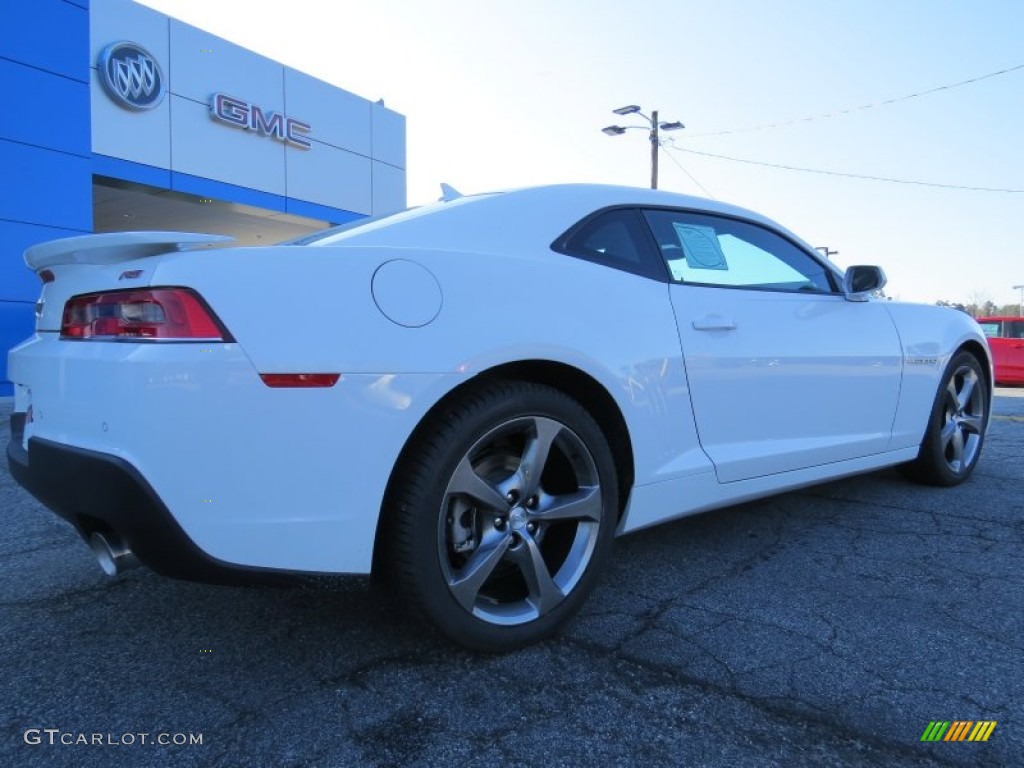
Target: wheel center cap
517,519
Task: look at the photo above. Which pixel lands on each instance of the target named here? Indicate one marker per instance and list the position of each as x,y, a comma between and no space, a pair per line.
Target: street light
1020,306
652,125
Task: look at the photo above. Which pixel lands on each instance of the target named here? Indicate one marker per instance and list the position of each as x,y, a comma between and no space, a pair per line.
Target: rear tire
501,516
956,426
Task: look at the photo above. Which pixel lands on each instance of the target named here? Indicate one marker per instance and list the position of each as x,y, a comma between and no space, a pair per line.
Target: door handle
714,323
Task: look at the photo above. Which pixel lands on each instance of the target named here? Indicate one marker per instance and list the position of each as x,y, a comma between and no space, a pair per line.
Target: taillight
177,314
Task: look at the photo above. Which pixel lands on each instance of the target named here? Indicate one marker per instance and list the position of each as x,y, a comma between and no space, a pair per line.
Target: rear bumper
97,492
253,477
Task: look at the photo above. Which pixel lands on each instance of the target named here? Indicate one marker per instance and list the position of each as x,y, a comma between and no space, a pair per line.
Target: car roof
517,220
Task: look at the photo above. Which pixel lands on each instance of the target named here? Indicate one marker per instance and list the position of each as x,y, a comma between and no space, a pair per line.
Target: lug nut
499,523
531,527
510,497
531,502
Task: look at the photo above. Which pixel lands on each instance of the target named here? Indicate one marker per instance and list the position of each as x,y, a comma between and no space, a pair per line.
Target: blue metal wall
45,147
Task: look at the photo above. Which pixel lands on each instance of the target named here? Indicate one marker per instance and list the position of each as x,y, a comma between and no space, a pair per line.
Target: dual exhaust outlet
112,554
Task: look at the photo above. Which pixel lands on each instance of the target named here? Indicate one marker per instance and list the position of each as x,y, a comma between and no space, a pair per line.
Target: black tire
501,515
956,426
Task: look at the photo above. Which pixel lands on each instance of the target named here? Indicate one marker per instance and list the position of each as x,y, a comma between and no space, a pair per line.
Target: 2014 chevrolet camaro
472,397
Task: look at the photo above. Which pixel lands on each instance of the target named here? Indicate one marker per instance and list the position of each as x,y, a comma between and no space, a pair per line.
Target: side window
990,329
614,238
1015,329
713,250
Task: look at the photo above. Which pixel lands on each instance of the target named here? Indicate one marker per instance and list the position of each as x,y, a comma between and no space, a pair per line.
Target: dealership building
116,117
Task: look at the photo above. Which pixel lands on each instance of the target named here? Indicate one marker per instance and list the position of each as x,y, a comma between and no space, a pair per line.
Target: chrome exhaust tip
112,554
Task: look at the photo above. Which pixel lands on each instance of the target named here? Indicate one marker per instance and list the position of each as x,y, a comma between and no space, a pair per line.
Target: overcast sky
508,94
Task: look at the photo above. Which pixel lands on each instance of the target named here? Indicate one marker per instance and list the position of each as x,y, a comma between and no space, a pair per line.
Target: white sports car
474,397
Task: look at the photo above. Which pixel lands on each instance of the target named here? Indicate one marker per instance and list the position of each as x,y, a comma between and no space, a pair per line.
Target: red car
1006,340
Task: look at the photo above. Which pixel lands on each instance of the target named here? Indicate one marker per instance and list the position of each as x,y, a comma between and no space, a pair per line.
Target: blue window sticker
700,246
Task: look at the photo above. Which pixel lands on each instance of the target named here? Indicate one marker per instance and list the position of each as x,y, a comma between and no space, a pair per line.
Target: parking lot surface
825,627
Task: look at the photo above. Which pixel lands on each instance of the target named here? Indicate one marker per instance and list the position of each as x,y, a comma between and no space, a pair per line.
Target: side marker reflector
306,380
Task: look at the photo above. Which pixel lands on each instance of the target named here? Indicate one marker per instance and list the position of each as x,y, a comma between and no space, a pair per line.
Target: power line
846,175
851,110
679,165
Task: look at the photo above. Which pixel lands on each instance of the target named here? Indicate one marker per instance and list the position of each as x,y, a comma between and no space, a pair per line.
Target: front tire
956,426
502,515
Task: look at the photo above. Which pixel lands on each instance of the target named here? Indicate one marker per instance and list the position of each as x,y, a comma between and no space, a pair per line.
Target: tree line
983,308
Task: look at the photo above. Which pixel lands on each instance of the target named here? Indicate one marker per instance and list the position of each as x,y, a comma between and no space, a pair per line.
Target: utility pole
654,149
1020,306
654,126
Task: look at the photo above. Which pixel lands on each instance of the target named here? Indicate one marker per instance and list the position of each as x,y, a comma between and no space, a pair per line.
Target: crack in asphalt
787,712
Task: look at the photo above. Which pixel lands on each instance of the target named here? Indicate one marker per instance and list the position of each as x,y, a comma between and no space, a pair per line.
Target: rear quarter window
616,238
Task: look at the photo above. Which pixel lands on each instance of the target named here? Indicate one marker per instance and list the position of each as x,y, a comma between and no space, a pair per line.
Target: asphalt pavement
826,627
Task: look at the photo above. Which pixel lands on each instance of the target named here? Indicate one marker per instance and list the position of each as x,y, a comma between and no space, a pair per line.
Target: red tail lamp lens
159,313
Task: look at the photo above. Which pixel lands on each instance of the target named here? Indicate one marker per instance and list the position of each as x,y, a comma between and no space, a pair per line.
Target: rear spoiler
113,247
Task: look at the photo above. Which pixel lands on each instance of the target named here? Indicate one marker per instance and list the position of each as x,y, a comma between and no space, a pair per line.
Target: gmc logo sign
243,114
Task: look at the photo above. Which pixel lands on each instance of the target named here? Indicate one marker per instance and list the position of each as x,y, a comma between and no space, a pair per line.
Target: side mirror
861,281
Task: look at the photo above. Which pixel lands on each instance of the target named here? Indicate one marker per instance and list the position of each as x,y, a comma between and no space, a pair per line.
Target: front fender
929,336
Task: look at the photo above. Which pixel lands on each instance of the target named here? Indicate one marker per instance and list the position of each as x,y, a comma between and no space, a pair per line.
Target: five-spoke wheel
963,415
504,515
956,426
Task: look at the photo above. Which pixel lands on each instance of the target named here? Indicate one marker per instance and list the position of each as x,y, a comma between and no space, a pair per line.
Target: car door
996,331
784,372
1014,349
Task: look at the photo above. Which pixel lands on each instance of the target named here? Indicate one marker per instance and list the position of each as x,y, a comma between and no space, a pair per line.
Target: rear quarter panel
301,309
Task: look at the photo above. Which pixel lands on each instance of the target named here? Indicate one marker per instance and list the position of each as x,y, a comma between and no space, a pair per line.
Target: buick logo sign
131,76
